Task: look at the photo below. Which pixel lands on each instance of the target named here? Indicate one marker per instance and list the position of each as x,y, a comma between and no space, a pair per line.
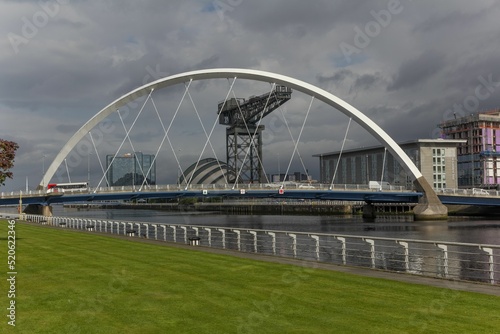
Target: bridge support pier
429,206
369,211
38,209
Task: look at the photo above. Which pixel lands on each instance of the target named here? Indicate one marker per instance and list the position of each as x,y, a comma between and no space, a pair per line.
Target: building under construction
478,160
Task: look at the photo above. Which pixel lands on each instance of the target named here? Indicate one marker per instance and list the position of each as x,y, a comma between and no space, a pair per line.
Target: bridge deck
296,191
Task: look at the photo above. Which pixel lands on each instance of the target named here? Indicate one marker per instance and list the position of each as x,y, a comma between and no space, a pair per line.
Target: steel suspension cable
124,139
186,88
208,135
133,149
281,108
98,158
67,170
298,139
340,155
383,167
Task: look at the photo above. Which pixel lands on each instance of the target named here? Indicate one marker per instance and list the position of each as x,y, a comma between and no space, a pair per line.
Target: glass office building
131,169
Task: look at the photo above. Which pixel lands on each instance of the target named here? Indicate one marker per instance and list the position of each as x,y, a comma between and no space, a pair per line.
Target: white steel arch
257,75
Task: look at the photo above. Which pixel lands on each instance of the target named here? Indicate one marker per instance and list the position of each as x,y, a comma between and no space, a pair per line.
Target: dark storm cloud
336,78
416,71
367,81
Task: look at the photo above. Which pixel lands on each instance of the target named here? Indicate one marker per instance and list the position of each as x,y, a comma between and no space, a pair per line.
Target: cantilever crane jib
243,136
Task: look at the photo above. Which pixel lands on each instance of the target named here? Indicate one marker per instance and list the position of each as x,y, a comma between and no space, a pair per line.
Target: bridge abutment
38,209
429,206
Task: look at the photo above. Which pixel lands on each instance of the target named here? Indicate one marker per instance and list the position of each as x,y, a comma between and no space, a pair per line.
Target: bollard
194,241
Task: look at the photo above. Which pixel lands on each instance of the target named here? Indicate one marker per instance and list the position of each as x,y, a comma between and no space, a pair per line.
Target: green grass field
75,282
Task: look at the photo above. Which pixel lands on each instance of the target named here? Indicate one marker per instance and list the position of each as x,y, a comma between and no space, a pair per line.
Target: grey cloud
357,82
417,70
367,81
428,58
337,77
297,18
453,18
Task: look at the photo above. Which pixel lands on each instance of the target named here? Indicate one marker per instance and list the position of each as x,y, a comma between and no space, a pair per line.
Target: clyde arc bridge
258,128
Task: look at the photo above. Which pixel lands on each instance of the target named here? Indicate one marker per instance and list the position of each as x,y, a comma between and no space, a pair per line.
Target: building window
439,168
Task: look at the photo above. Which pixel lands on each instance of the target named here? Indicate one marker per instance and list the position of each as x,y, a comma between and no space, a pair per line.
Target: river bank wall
282,208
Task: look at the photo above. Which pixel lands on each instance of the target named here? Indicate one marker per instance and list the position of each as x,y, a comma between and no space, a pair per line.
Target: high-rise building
435,158
130,169
478,157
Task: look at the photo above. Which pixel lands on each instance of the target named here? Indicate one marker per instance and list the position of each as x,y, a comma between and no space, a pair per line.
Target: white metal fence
452,260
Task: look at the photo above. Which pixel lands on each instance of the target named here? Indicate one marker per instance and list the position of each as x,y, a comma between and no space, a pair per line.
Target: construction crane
244,134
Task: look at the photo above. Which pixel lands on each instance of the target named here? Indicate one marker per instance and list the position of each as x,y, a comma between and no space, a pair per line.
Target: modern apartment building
435,158
478,158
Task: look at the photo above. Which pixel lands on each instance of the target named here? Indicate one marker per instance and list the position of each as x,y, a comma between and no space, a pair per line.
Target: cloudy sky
408,65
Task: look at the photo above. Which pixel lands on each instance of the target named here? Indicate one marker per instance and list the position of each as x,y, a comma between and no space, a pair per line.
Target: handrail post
371,242
156,231
209,230
294,244
254,233
491,263
273,235
444,248
344,250
175,232
223,237
315,237
164,232
185,233
407,254
238,238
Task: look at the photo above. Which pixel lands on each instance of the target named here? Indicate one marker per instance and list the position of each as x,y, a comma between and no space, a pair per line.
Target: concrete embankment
280,208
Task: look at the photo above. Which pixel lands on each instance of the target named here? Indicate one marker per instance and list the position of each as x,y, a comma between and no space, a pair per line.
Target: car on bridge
479,191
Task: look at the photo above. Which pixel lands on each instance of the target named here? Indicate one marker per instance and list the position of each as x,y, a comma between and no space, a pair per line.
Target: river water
456,229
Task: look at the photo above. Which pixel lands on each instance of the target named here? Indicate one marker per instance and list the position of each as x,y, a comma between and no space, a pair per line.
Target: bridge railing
475,192
469,192
208,187
450,260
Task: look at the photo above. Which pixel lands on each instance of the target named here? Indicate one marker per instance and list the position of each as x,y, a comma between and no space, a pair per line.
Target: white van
377,185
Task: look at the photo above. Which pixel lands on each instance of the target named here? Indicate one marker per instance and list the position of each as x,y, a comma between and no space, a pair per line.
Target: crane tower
244,134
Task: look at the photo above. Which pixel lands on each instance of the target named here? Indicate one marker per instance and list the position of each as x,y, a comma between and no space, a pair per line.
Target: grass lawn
75,282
